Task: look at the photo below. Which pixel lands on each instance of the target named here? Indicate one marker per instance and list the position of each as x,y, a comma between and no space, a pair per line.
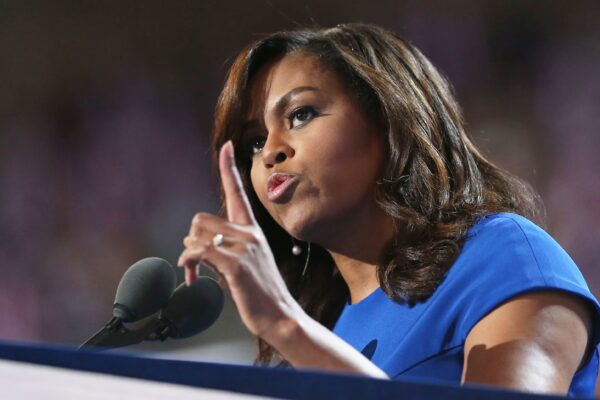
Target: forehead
277,78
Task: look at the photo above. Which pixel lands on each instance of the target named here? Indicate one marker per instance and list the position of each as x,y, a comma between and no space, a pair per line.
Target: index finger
239,210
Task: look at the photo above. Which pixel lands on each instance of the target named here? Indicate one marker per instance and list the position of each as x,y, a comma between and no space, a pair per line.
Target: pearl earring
297,250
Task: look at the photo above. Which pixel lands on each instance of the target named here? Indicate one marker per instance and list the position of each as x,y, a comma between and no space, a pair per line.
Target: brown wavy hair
435,181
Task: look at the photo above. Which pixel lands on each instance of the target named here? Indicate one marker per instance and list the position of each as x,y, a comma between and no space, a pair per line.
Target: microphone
191,310
144,288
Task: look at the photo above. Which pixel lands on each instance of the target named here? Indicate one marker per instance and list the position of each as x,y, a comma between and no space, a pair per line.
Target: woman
360,206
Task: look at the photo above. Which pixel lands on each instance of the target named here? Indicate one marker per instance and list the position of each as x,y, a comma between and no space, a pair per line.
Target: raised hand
237,249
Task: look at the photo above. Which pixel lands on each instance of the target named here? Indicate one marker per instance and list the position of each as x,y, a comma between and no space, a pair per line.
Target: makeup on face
315,156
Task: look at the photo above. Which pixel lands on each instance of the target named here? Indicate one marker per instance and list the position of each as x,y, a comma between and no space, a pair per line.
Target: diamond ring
218,239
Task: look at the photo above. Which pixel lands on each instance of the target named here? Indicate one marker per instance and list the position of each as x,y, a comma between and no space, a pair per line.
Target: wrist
305,343
287,329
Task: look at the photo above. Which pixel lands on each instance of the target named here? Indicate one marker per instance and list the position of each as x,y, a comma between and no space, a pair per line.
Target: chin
301,227
297,232
308,232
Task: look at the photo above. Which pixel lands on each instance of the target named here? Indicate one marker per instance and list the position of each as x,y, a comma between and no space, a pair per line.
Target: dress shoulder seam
533,253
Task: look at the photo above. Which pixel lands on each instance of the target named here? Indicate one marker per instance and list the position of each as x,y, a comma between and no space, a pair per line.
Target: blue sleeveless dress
504,255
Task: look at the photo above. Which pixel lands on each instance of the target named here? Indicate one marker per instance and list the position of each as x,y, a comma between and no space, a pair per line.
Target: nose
276,150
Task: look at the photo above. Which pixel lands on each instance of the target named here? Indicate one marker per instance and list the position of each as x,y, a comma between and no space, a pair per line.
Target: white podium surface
20,380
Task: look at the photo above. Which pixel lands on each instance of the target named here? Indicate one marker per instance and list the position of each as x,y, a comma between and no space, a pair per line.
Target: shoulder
504,256
524,301
499,229
506,243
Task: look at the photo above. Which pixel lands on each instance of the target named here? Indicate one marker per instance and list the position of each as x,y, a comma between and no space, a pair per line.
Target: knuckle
197,252
200,218
252,239
196,218
251,235
250,248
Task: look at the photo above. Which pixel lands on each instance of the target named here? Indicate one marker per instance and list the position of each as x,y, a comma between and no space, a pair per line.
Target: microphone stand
115,334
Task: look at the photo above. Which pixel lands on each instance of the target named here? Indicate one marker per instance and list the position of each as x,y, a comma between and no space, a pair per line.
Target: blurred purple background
106,112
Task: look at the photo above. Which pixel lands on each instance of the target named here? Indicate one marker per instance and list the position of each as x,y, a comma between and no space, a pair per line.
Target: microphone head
193,308
144,288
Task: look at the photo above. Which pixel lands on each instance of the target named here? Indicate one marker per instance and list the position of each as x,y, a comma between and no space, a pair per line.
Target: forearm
305,343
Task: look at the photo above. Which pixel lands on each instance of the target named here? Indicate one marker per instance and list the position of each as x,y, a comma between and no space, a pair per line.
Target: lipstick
279,185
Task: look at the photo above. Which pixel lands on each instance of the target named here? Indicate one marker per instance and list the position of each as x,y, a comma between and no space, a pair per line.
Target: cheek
350,157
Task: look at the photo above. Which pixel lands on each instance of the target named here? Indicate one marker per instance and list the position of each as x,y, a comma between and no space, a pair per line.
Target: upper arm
533,342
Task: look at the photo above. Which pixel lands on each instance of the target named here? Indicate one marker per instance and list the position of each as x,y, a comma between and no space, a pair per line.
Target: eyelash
303,109
290,117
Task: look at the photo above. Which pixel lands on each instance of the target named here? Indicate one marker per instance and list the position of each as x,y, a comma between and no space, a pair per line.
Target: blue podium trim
274,382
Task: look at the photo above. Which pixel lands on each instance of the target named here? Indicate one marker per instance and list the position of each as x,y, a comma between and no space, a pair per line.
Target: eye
255,145
301,116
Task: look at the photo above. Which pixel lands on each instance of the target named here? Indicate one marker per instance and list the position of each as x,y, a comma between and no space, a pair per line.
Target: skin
533,342
336,152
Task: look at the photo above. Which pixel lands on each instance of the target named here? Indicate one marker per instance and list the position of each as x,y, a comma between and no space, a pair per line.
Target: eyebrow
285,99
281,104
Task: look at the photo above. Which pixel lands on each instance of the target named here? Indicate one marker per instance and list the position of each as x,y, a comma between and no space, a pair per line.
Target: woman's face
315,155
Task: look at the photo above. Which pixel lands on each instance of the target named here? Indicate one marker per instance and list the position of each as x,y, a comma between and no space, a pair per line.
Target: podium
54,372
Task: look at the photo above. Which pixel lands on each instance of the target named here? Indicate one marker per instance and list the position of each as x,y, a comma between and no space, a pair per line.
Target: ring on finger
218,239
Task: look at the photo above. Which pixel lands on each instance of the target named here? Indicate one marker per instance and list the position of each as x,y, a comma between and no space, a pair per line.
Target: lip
279,185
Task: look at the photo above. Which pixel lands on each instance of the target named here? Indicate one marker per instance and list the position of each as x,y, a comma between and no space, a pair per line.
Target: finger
218,259
189,259
191,256
204,222
205,269
235,244
190,276
236,201
221,259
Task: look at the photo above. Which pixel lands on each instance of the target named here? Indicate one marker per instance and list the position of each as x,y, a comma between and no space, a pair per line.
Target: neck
360,276
357,249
